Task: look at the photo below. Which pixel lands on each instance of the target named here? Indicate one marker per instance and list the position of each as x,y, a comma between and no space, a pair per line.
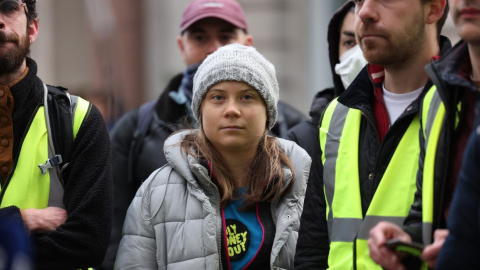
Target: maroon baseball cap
227,10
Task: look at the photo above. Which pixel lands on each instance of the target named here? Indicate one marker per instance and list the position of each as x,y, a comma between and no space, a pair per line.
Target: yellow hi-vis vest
348,229
27,187
433,120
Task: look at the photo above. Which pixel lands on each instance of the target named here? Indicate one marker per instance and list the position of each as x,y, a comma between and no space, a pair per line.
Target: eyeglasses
12,8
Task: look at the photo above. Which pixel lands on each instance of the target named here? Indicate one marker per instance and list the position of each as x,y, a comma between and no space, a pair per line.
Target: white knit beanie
240,63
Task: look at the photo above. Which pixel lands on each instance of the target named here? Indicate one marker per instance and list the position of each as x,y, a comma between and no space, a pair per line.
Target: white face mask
351,63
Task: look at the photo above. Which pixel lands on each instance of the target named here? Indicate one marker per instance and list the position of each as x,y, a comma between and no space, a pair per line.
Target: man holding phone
447,120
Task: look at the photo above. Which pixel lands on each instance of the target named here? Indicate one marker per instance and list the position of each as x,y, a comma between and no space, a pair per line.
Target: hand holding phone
414,249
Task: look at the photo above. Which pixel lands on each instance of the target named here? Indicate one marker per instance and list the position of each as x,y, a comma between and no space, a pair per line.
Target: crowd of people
218,173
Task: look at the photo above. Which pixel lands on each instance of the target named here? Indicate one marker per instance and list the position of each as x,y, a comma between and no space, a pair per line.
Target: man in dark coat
462,246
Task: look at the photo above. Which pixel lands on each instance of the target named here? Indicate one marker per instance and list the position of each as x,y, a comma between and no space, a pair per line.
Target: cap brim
213,15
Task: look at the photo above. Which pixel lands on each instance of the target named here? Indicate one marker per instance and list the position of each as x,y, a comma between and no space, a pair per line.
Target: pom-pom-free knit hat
240,63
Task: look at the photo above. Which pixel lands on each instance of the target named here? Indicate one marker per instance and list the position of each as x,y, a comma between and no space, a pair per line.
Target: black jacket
305,134
168,117
450,86
313,243
82,240
462,246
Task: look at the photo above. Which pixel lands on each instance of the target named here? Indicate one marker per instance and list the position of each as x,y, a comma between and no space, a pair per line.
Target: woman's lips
232,127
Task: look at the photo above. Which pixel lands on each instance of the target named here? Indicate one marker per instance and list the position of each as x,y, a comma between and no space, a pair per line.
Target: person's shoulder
158,185
127,123
301,163
292,150
92,123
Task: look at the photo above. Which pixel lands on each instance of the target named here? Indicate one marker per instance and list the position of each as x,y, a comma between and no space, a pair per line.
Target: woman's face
234,116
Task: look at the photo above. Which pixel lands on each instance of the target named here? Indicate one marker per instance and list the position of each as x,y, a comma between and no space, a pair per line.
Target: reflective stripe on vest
433,113
348,230
28,188
433,119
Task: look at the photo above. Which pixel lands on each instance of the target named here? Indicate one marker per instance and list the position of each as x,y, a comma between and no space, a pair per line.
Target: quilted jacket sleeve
137,249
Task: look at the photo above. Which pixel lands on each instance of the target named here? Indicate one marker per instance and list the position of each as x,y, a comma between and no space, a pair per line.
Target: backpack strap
59,120
145,116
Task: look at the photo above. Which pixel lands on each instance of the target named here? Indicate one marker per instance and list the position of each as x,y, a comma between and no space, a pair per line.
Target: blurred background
121,53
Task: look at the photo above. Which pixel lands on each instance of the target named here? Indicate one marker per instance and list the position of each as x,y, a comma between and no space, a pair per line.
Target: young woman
231,196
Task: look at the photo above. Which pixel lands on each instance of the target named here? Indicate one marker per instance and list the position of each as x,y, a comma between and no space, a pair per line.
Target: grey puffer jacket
174,221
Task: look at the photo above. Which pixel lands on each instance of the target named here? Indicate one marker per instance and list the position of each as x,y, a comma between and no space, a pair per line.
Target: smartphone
414,249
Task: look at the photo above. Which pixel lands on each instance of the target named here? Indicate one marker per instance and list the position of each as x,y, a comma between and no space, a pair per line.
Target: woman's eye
217,97
247,97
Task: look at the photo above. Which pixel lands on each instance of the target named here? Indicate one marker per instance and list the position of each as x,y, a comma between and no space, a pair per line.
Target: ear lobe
434,11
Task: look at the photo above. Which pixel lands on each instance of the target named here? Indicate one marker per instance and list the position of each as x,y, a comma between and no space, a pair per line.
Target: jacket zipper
5,186
272,211
219,238
219,235
275,220
373,125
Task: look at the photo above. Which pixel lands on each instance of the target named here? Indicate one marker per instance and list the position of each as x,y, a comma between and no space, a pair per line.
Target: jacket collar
166,108
26,90
360,94
197,174
452,70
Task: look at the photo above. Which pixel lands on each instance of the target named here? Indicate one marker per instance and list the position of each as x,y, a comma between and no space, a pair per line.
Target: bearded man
68,212
369,134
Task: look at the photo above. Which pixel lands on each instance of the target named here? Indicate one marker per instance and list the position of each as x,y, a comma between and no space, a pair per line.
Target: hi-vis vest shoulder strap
348,229
27,186
433,120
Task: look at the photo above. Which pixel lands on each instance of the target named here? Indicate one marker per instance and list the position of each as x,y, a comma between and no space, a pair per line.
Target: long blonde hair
263,178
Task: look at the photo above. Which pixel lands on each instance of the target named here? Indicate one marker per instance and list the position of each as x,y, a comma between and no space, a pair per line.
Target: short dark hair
441,22
32,13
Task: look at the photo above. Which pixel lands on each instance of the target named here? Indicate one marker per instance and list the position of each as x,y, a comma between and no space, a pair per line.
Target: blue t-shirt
244,234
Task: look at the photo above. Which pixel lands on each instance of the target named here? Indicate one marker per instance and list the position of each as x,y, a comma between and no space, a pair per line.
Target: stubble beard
12,59
401,46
